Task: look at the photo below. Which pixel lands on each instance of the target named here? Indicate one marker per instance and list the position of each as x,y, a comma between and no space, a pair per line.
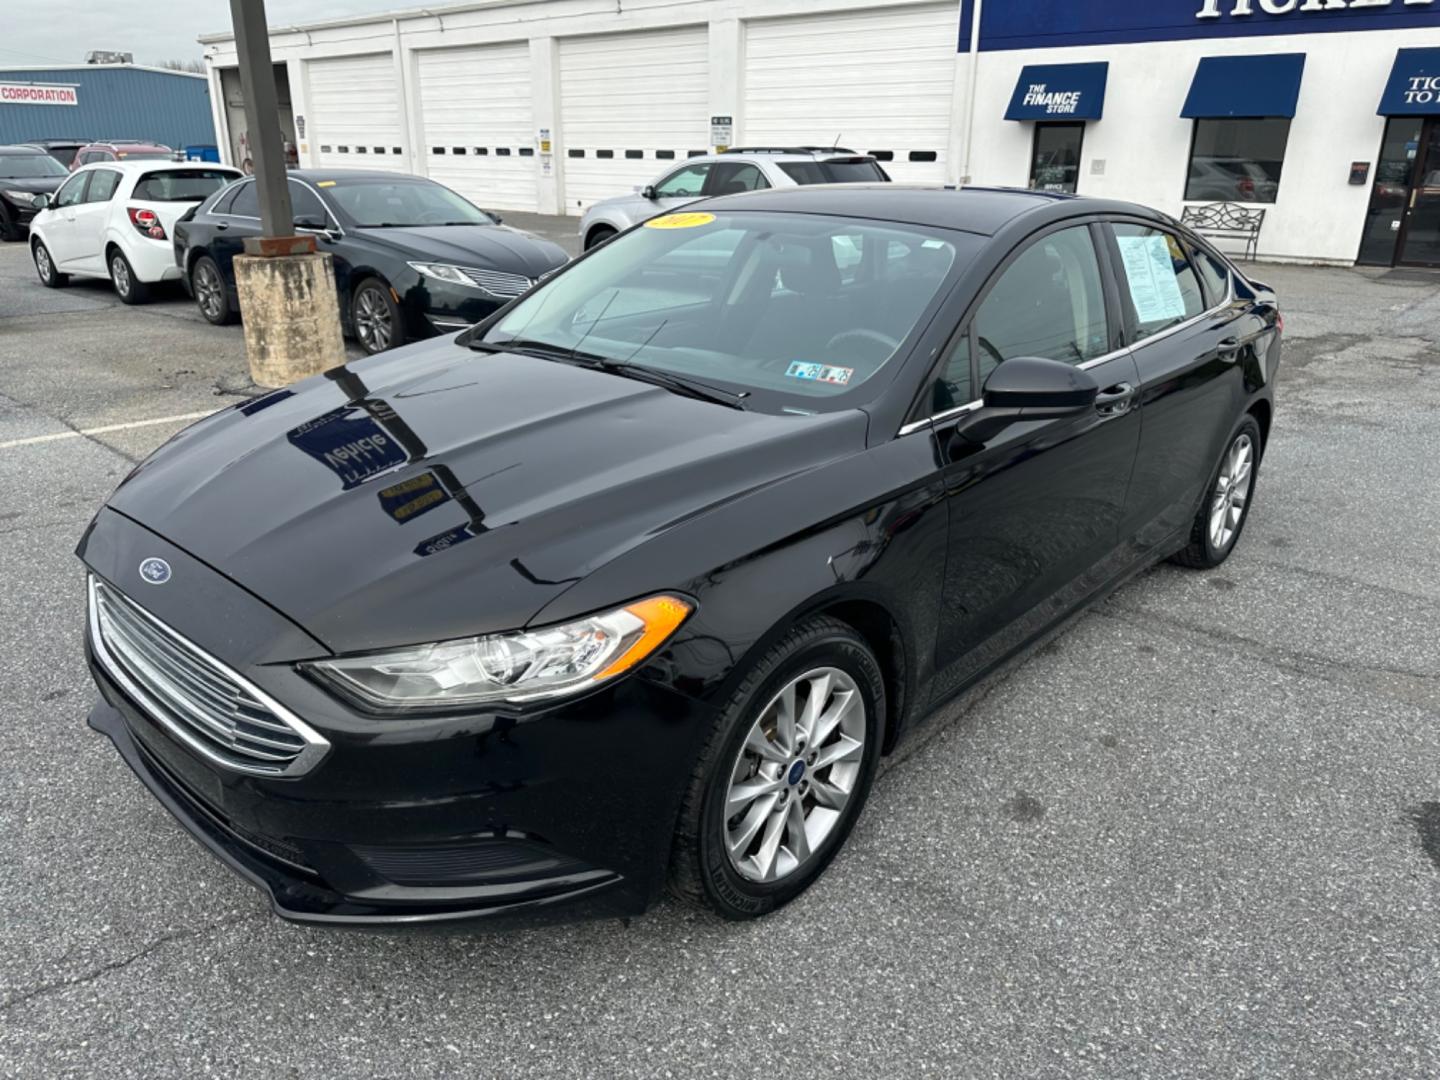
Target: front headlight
443,272
523,666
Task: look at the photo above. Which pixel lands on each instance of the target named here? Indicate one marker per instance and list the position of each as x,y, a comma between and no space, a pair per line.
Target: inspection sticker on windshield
326,183
840,376
680,221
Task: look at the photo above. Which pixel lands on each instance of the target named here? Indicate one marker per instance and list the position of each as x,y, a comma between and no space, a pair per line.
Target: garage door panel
880,80
355,114
479,124
626,94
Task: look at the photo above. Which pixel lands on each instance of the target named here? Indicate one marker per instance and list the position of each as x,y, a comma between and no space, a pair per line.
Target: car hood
488,247
437,492
34,185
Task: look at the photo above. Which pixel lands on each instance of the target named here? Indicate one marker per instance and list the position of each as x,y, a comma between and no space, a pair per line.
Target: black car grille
205,705
482,861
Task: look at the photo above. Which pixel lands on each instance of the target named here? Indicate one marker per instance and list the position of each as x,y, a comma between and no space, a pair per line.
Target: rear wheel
211,296
598,235
45,267
785,775
376,317
128,287
1226,506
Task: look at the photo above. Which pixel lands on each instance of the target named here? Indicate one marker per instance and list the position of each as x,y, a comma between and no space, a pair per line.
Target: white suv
734,171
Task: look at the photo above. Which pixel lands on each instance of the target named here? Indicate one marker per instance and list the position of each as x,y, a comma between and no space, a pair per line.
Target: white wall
1145,144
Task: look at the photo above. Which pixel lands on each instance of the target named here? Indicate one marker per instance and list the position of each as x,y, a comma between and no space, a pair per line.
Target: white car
116,220
708,175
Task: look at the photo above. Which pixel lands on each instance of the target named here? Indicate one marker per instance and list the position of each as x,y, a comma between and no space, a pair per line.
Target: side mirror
41,201
309,223
498,219
648,192
1028,388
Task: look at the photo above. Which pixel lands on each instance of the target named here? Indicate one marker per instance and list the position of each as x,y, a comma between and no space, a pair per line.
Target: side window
687,183
1213,273
1050,302
732,179
304,203
246,202
103,183
73,190
952,389
1160,283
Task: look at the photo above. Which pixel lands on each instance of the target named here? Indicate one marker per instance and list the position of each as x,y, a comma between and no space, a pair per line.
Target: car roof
127,167
980,210
22,148
314,176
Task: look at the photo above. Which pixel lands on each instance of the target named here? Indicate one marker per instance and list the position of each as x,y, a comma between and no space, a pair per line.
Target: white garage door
475,108
878,80
631,105
354,120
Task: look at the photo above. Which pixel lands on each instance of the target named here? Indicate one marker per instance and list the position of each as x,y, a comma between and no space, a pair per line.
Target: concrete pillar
727,66
545,114
289,305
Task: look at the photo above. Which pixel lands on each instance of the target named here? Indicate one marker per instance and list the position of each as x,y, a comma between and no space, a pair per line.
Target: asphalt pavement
1197,833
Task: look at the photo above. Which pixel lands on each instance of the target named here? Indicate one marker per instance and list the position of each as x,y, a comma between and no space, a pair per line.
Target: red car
121,150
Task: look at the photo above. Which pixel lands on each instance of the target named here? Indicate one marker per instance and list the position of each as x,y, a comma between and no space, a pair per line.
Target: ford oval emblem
155,571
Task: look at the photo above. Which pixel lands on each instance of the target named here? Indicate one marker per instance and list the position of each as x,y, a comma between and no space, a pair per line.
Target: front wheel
376,317
785,775
10,230
598,236
128,287
1226,505
45,267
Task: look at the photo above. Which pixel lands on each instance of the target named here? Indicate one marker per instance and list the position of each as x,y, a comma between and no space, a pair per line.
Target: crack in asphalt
26,996
68,426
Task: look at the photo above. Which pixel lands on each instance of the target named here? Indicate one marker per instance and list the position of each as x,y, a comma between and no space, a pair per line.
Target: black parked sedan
412,258
635,582
25,171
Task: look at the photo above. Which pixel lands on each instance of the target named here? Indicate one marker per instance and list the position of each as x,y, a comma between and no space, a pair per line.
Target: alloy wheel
207,290
793,776
372,320
120,274
1232,492
42,262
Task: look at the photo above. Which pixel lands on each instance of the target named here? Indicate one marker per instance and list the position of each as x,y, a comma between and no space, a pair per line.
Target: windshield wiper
679,384
542,350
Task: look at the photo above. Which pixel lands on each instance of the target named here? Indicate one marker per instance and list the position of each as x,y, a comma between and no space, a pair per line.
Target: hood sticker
680,221
839,376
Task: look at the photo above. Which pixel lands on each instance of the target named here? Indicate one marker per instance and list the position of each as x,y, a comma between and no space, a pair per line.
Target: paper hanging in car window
1154,289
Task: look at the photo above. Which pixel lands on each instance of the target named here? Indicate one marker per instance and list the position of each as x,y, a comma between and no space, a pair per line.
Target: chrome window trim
317,746
1195,320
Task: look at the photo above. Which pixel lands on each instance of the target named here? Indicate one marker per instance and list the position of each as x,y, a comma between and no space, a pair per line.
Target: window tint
72,191
842,171
181,185
1050,303
103,183
304,203
686,183
1214,273
1237,160
246,202
1160,281
732,179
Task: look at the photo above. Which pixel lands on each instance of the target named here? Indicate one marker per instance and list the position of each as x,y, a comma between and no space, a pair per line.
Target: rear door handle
1115,400
222,225
1229,348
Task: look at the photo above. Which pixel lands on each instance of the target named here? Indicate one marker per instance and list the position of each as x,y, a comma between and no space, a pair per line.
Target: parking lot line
86,432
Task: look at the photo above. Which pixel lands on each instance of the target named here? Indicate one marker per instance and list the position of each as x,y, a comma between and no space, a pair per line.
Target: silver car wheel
42,263
794,775
120,274
207,290
372,320
1232,492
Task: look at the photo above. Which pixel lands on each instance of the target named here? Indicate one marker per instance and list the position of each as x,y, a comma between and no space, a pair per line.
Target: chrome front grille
496,283
210,708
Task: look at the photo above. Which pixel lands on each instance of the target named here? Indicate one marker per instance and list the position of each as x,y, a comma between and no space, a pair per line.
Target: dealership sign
37,94
1212,9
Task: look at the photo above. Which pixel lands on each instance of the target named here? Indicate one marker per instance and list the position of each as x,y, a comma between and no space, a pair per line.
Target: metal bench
1228,221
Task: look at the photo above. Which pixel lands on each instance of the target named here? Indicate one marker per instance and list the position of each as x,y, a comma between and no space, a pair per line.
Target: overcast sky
63,31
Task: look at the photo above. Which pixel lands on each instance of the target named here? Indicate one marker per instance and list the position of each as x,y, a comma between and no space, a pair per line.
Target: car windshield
840,171
29,166
386,203
799,305
181,185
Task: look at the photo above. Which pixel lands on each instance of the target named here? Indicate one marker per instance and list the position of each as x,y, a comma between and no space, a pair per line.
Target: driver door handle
1115,400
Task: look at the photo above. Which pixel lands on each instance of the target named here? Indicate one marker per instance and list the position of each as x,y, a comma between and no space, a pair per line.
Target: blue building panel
111,102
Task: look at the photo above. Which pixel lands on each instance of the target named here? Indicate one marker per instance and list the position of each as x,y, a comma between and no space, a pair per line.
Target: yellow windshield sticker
326,183
680,221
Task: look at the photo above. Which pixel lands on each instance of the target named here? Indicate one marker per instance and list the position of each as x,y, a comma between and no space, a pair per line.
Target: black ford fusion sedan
412,258
632,585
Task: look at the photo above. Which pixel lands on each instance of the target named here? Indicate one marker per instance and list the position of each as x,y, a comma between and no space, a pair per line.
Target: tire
598,236
9,230
128,287
211,295
45,267
1211,544
822,655
375,317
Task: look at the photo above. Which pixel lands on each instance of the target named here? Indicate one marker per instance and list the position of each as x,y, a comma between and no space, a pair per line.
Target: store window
1237,160
1055,162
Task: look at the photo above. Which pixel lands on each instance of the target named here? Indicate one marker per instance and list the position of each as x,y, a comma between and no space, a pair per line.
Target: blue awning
1414,87
1060,92
1245,86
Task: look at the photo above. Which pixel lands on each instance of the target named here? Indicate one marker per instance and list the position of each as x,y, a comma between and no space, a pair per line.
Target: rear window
838,171
181,185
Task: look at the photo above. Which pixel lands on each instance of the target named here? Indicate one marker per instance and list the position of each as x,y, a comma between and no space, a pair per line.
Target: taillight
147,222
1279,323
